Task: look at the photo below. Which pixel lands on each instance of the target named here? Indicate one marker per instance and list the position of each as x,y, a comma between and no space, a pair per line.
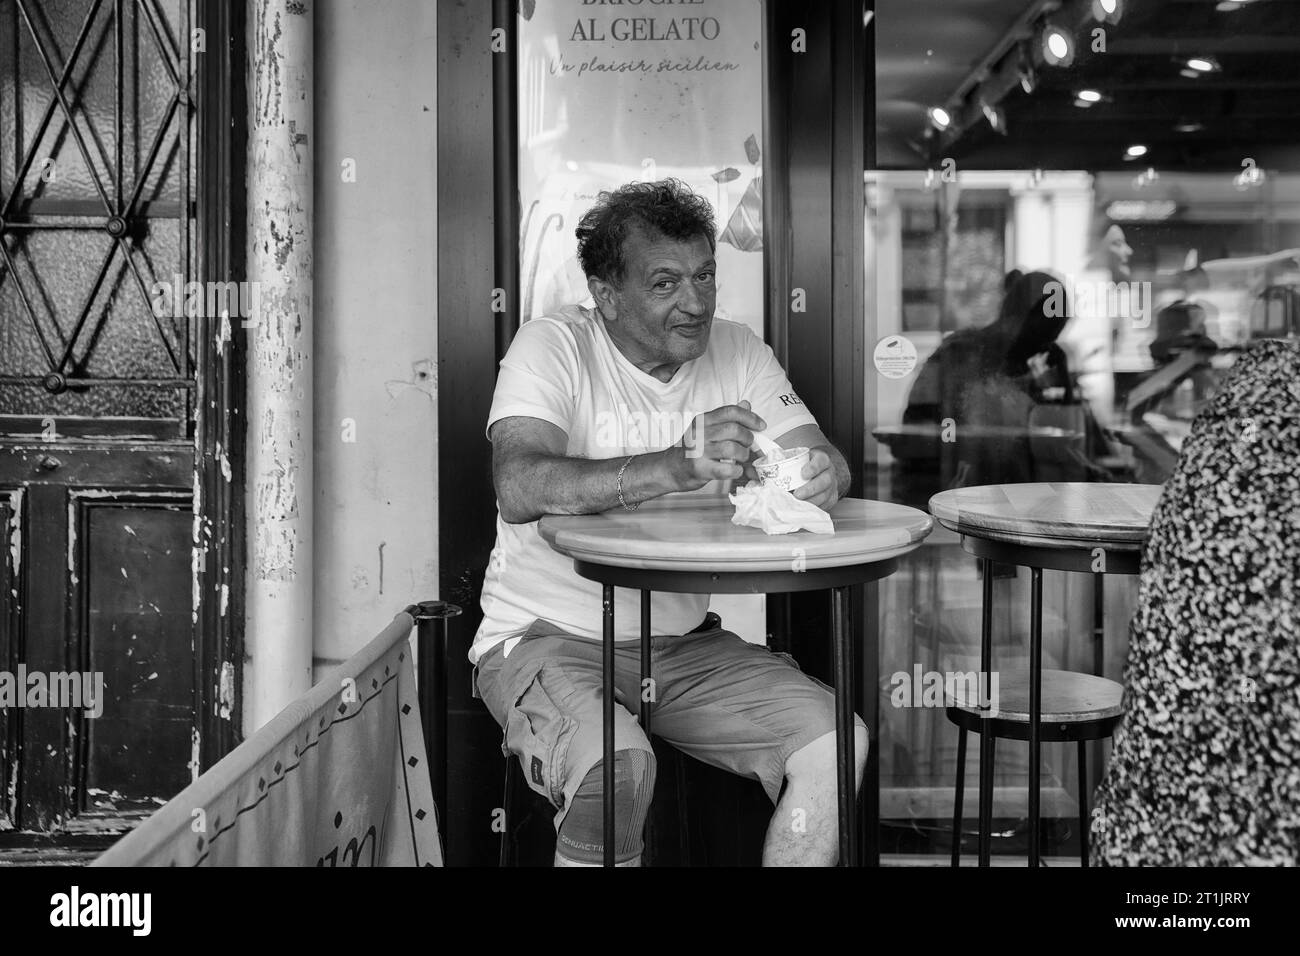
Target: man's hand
822,488
715,446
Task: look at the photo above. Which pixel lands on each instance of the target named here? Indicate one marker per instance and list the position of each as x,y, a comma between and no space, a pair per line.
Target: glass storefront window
1075,251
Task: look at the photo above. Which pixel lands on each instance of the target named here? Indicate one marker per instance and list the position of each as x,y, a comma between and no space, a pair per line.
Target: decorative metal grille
96,229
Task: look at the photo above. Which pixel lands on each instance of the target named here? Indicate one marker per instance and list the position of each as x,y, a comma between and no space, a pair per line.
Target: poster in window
612,93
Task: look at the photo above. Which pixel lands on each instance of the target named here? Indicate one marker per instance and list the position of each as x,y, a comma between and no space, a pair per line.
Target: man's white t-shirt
564,368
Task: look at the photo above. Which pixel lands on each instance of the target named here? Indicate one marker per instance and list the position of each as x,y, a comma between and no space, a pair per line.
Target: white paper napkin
776,511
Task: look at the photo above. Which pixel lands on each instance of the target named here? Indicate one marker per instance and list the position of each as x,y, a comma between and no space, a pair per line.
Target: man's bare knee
816,759
820,752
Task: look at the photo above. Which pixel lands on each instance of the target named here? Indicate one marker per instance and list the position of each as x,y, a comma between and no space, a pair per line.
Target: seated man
646,395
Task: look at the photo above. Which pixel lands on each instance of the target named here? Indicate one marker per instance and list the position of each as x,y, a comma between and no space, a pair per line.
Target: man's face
662,312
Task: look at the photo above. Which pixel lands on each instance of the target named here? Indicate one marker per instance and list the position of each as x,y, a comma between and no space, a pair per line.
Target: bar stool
1092,528
1075,707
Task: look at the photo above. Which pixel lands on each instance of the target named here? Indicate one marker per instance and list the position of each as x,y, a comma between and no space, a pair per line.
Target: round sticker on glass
895,357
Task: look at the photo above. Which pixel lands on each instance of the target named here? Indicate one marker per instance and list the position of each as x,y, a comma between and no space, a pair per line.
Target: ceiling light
1057,46
1028,79
1108,10
1137,151
1089,96
1140,210
1202,65
939,117
1227,6
997,118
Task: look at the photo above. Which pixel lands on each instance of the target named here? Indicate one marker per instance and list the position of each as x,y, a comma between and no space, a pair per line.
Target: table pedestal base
837,580
1082,558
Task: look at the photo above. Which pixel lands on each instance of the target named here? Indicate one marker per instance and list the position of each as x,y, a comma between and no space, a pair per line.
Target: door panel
110,381
98,583
41,767
133,560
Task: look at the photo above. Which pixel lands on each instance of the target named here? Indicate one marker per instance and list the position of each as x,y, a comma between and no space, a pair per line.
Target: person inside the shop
988,387
644,394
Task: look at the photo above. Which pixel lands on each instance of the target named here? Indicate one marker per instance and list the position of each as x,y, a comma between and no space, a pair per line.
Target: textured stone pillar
278,634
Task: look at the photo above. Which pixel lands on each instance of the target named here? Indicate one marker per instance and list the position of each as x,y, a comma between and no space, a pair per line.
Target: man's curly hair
668,207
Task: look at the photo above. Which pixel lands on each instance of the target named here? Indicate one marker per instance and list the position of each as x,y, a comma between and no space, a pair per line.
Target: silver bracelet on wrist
619,482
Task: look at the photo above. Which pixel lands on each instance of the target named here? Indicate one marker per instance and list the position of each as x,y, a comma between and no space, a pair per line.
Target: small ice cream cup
787,472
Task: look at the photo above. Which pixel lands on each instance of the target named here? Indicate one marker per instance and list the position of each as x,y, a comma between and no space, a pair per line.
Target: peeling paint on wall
72,542
195,761
226,691
200,541
279,342
197,557
223,333
266,61
276,502
16,537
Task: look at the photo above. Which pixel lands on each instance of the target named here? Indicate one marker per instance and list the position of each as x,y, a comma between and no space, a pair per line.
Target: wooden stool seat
1074,707
1068,697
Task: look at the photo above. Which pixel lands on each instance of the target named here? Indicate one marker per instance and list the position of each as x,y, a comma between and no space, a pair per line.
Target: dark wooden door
113,377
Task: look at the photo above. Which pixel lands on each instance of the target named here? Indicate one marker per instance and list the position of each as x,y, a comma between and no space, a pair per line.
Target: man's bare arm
533,477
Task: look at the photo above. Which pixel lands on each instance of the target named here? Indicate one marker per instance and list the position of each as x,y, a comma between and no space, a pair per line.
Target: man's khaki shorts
724,701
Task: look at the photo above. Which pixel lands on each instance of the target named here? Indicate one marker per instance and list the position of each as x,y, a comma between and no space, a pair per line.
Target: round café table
1096,528
688,545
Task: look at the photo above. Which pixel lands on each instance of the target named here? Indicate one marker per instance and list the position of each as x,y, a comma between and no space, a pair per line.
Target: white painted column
1035,235
1072,214
278,625
1052,219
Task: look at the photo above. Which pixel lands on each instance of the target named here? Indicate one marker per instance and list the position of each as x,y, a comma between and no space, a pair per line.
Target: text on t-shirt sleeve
769,390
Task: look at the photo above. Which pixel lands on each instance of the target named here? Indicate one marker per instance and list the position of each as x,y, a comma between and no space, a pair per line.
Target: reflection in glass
1077,256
